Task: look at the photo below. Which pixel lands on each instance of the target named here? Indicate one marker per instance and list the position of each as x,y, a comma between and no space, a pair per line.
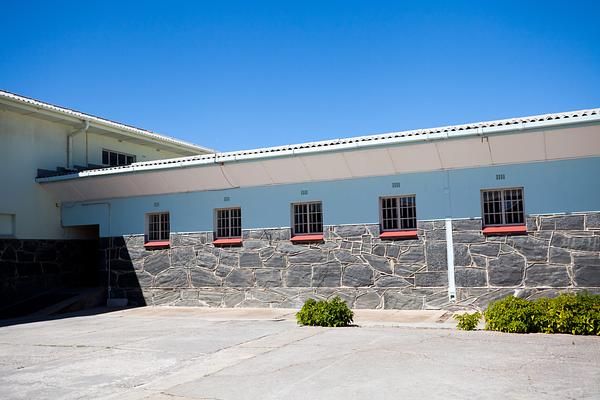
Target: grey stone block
431,279
586,270
327,275
532,248
209,298
399,301
559,256
201,277
592,221
289,248
350,230
380,264
183,257
392,250
437,234
157,262
268,277
414,255
506,270
391,281
277,261
240,278
581,243
233,298
298,276
250,260
172,278
466,225
461,255
346,257
357,275
308,257
486,249
470,277
368,300
570,223
228,258
165,296
547,275
379,250
254,244
206,260
468,237
547,223
435,253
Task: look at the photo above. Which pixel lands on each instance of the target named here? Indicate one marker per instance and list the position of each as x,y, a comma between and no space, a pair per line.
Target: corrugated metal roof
392,138
102,121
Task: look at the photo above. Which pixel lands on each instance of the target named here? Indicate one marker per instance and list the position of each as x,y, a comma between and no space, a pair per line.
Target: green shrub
511,314
467,322
325,313
568,313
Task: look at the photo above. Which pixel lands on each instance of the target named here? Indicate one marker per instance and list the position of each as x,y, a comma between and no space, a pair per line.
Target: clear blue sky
233,75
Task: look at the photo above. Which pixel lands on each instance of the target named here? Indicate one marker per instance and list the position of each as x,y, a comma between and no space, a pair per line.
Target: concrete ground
191,353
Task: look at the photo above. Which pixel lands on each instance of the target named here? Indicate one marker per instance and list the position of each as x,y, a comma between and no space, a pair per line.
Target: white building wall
28,143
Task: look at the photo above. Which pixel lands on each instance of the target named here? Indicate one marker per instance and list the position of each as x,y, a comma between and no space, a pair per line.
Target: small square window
115,158
307,218
228,223
158,227
398,213
502,207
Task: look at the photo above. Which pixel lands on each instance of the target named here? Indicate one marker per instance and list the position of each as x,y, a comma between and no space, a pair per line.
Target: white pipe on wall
86,125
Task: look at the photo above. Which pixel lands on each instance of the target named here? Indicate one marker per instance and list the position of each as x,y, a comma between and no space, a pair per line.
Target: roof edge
70,113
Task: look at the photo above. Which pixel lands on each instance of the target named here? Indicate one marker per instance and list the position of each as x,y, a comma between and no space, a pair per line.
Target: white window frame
308,223
503,206
229,228
163,233
399,219
118,153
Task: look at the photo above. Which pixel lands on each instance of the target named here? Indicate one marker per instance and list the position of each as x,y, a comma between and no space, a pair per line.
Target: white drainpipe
86,125
450,258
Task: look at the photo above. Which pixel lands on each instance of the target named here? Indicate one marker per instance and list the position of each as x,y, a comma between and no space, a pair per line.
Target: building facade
446,217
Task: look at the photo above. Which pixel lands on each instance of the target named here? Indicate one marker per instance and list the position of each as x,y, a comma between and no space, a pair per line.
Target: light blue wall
550,187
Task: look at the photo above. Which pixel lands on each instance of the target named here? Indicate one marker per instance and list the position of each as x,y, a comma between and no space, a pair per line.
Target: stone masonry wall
30,267
559,253
270,271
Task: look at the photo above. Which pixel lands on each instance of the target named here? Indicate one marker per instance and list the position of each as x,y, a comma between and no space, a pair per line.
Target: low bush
331,313
467,322
568,313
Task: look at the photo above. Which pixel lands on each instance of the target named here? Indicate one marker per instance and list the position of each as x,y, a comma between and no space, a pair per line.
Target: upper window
229,223
502,207
115,159
398,213
307,218
159,226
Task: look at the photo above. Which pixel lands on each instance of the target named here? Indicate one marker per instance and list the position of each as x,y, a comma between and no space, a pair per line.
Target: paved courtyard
182,353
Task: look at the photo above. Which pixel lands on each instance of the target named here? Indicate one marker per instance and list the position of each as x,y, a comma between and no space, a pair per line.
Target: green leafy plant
568,313
467,322
331,313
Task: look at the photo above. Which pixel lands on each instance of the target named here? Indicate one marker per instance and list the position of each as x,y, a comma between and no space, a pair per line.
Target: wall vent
226,198
303,192
395,184
500,177
156,204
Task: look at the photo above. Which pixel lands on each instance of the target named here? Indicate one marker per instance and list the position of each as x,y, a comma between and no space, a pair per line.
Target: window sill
227,242
159,244
391,235
505,230
307,238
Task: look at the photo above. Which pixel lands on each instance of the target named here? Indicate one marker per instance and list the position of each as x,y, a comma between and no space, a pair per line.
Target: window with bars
398,213
228,223
502,207
307,218
115,159
159,226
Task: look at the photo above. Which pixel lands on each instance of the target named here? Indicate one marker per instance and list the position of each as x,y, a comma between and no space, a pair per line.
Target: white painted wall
28,143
